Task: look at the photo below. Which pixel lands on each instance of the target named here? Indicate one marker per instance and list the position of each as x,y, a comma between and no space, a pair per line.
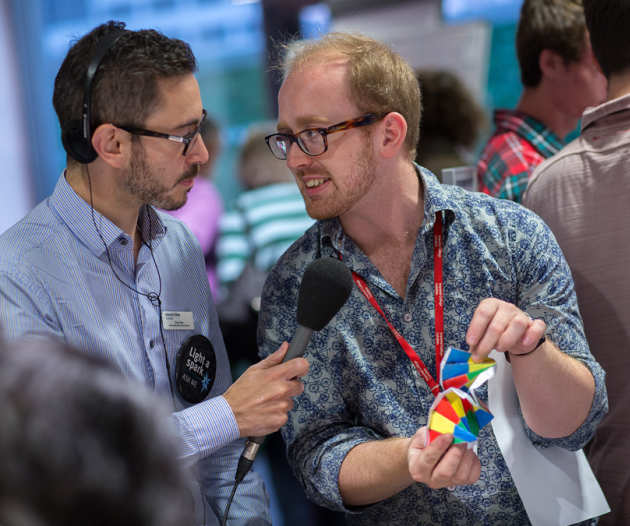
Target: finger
295,368
435,450
481,318
533,334
497,327
295,388
422,460
514,332
274,358
445,470
467,469
420,439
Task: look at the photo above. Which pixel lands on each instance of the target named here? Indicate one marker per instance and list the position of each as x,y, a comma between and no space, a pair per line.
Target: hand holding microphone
325,287
263,395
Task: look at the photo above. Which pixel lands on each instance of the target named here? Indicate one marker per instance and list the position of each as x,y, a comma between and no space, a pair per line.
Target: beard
146,186
350,186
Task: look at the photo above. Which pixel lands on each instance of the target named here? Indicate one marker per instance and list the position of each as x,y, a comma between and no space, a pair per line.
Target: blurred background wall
231,39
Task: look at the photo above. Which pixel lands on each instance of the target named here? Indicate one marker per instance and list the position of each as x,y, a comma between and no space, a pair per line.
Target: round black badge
195,369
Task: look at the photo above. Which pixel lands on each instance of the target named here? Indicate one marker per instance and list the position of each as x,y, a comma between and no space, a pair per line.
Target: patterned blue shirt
362,387
55,280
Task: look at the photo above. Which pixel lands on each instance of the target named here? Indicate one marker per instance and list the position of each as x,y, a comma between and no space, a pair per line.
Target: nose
296,158
197,152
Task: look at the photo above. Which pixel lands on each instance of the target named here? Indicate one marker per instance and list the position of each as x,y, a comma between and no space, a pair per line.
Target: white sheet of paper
557,486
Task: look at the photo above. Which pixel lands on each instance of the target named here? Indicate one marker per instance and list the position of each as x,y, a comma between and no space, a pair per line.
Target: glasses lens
194,136
312,142
279,145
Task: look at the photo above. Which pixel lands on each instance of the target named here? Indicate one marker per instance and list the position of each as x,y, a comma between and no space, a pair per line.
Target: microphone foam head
325,287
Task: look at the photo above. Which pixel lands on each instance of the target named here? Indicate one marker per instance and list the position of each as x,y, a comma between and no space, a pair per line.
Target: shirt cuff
205,427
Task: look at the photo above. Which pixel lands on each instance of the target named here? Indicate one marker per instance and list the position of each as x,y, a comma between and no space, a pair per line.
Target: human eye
311,135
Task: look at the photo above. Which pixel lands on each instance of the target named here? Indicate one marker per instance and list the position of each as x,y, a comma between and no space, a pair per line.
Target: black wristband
540,342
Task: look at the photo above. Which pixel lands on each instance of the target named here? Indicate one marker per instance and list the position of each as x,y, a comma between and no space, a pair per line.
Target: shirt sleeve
204,428
546,291
24,309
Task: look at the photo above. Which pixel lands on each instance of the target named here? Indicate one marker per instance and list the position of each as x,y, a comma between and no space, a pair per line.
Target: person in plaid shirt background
560,79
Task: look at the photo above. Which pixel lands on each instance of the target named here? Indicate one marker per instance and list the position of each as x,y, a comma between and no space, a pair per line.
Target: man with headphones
97,266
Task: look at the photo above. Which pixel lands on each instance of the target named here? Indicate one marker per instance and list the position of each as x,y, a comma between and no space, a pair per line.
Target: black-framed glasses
186,140
313,141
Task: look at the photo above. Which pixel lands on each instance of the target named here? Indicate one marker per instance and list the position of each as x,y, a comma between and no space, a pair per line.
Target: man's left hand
499,325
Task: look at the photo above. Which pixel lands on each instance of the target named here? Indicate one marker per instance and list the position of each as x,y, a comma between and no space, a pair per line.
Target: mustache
190,173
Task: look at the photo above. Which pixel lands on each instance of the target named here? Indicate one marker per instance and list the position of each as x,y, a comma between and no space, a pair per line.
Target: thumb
421,439
274,358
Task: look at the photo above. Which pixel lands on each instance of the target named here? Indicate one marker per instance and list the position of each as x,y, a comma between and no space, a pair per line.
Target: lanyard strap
439,311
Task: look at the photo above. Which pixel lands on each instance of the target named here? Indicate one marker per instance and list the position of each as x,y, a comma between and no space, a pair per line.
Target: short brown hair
125,86
557,25
608,23
381,81
256,168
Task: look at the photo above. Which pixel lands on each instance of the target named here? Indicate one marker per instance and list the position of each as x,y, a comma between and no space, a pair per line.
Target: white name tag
178,320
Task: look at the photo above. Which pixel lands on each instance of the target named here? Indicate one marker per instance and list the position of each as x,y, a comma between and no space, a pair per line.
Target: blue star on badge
205,382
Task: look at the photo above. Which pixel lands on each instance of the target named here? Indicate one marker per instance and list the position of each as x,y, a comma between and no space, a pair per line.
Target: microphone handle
298,343
252,445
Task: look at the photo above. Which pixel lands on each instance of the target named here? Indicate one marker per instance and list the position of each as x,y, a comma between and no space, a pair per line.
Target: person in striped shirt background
266,218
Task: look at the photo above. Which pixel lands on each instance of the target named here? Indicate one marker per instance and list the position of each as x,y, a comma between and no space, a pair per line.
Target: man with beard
95,265
436,266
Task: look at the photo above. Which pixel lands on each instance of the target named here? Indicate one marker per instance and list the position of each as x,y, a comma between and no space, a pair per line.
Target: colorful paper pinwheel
456,410
459,370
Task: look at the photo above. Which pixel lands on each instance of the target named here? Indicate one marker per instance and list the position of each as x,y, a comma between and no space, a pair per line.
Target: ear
393,132
112,144
551,64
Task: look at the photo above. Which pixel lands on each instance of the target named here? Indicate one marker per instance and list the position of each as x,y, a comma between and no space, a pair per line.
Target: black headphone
77,137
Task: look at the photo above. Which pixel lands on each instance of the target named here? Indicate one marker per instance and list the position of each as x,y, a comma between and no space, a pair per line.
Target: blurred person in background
560,79
266,217
450,124
81,445
264,220
204,204
97,266
582,194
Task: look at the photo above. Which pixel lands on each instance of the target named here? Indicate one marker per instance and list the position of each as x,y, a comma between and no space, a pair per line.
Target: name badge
178,320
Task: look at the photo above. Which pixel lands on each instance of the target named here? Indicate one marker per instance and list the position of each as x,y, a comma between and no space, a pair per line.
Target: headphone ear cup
76,145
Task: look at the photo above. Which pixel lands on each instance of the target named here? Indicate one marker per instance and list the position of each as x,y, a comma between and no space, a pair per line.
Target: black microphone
325,287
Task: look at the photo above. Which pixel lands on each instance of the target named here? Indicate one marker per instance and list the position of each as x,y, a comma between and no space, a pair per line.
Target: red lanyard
439,311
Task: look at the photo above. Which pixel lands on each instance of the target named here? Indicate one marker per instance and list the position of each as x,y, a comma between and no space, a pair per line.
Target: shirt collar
531,129
603,110
436,199
80,218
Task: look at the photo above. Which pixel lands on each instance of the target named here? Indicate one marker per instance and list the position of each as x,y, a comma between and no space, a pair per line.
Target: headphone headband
104,45
77,138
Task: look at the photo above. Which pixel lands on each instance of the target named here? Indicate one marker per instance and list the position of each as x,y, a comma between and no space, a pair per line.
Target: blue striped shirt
55,280
265,220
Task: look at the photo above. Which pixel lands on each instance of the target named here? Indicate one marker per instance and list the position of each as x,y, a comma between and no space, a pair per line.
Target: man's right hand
263,395
441,464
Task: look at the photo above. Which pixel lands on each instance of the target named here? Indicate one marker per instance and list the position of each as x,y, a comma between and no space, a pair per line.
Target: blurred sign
496,11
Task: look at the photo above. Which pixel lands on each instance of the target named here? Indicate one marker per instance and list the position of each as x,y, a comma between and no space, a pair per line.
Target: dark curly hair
450,115
125,87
